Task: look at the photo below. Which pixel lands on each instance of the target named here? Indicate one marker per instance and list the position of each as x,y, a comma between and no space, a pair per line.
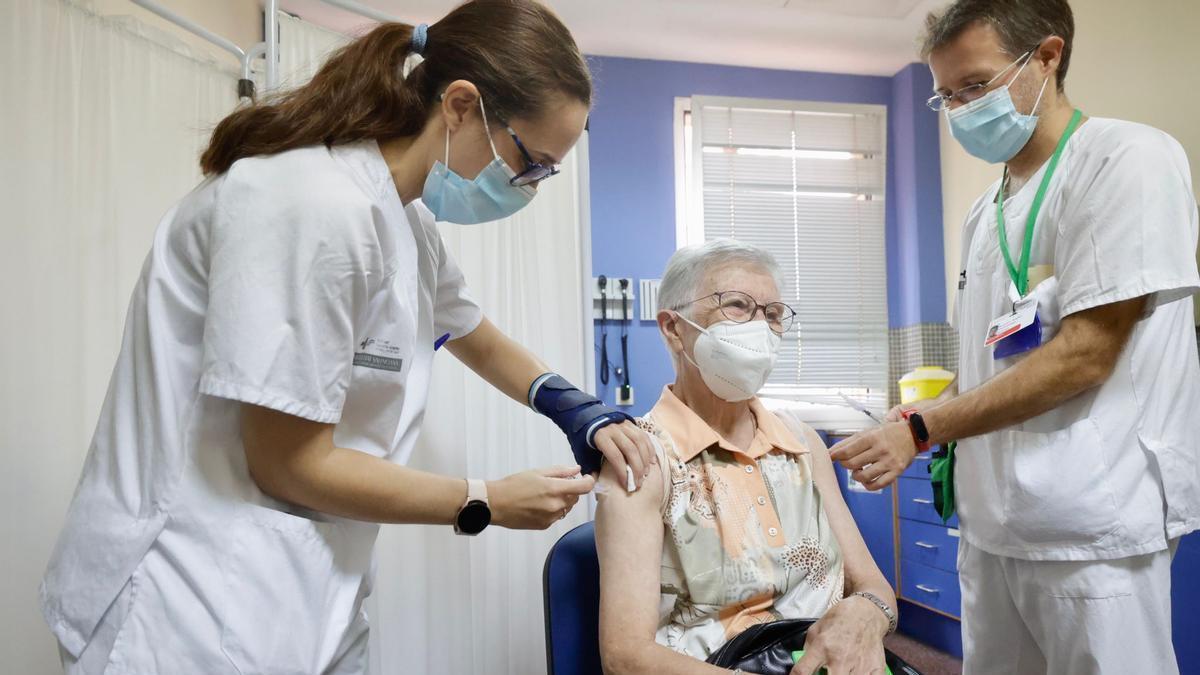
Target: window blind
806,182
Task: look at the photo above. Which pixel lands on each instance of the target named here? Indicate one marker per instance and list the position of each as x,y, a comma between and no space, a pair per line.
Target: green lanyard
1020,277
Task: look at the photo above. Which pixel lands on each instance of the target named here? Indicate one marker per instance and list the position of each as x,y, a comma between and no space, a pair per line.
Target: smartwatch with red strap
920,432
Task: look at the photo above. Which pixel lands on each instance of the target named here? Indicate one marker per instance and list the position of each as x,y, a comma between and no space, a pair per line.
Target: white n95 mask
735,359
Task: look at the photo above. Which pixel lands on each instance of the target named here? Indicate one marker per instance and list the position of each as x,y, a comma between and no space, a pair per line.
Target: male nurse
1077,405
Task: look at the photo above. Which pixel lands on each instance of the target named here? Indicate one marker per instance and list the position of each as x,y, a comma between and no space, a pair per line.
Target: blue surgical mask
990,127
491,196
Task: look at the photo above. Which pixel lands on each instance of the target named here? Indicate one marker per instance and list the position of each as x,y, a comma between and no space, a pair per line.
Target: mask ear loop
486,129
1029,57
1039,98
680,317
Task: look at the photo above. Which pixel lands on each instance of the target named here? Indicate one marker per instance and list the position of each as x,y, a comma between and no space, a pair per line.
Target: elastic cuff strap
533,389
591,432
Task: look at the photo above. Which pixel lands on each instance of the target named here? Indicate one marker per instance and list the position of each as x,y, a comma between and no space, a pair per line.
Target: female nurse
277,354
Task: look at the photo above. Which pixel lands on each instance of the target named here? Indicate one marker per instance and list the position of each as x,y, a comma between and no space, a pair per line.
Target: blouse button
749,469
762,501
772,532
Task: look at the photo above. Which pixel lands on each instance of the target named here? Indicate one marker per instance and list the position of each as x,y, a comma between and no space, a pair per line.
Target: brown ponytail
516,52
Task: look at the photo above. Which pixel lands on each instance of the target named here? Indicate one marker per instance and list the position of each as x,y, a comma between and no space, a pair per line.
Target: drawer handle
921,544
922,501
928,589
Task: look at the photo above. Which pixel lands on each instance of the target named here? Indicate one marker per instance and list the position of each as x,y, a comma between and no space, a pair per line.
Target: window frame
689,211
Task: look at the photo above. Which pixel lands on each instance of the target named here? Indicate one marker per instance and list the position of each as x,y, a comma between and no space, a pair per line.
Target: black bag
766,649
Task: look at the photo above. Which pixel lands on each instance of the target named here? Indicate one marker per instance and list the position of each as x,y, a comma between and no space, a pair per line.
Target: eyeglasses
534,172
740,307
973,92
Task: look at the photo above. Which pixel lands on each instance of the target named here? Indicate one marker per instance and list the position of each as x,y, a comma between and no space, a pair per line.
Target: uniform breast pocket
1049,310
1055,485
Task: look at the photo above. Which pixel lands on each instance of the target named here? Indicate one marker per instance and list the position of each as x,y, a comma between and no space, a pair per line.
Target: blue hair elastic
419,37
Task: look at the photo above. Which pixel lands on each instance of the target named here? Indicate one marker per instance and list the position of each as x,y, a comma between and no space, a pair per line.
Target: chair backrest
571,591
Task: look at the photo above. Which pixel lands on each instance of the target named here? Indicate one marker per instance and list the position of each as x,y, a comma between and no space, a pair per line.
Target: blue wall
632,168
915,256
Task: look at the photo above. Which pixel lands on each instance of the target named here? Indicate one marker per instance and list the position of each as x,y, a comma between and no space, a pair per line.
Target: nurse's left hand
625,444
876,457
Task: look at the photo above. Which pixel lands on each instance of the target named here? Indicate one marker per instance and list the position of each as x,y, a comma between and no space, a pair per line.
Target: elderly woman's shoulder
803,431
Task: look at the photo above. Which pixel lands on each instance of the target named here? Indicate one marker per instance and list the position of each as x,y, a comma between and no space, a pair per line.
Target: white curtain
102,121
101,124
444,604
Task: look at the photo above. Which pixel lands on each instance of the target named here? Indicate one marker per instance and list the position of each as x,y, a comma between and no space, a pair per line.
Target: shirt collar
692,435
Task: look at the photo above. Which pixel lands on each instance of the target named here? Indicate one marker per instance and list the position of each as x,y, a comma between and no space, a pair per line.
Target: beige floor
923,657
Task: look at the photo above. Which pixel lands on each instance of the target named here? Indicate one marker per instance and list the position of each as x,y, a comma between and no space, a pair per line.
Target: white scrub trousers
1023,617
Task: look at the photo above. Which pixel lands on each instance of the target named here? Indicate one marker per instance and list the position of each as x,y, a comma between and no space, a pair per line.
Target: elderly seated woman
740,521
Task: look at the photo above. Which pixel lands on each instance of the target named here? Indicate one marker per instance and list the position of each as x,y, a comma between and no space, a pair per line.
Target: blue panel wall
915,256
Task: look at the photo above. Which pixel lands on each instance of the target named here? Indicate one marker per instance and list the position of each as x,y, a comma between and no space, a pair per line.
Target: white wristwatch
475,513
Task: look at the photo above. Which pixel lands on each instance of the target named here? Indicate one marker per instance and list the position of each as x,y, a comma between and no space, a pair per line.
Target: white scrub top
298,282
1113,472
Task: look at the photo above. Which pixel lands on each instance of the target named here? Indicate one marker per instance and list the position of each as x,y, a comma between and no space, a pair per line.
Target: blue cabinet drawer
919,467
931,587
931,545
916,502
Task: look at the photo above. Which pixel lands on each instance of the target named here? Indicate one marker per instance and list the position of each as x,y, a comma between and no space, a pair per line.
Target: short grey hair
687,269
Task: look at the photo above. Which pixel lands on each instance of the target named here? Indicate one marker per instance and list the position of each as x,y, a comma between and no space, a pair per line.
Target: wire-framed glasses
740,307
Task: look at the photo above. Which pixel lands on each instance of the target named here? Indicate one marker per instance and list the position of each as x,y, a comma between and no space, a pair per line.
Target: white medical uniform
298,282
1067,517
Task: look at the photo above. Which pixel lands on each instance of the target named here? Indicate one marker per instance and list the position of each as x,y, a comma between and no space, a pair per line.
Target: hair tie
419,37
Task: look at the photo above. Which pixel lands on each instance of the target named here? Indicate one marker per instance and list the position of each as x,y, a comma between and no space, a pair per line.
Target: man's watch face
918,425
474,517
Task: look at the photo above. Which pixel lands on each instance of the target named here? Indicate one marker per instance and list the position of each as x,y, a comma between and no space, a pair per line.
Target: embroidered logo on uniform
378,354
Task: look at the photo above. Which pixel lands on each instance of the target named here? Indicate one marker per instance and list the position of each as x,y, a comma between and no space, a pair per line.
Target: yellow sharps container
924,382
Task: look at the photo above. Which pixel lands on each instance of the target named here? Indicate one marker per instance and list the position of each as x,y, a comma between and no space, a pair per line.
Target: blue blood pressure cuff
578,414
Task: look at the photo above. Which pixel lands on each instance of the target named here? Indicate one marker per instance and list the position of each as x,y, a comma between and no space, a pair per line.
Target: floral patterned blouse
746,539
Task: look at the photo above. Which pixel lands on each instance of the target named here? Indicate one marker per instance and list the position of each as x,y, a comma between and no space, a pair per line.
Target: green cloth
941,474
796,656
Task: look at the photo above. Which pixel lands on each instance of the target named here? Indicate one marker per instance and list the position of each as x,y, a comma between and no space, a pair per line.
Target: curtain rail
269,48
245,84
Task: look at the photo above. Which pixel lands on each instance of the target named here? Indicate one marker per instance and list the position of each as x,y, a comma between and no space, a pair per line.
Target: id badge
1017,332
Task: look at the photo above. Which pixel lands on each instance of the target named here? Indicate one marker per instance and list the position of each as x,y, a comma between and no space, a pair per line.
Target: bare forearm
1043,381
499,360
353,484
1082,356
647,656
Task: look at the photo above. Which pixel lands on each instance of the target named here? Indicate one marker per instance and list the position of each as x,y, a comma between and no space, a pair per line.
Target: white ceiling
871,37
